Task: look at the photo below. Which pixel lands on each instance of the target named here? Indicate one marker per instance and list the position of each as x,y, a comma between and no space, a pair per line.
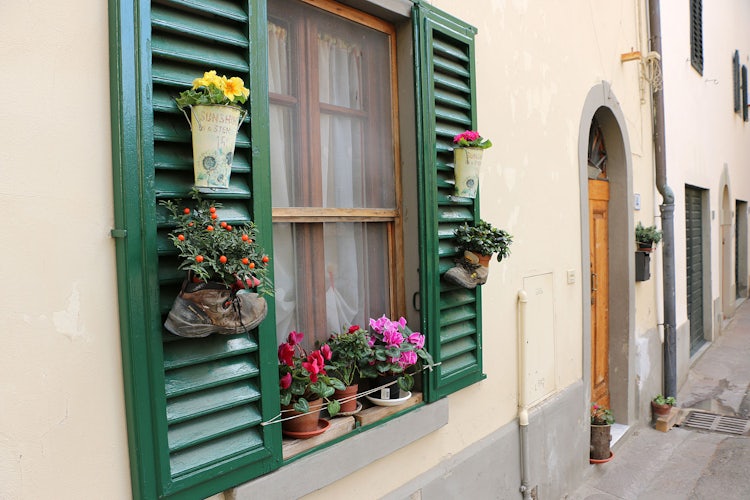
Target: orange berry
265,259
186,211
245,260
181,237
245,237
199,258
209,228
190,224
223,224
229,228
223,259
251,265
214,216
212,210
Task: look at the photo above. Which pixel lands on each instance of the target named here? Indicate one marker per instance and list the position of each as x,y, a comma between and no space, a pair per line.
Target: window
332,219
696,35
335,186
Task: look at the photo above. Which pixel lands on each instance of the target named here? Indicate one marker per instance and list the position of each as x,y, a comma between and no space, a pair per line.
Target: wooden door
599,252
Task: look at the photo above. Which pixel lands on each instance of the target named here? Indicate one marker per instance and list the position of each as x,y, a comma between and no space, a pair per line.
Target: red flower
314,365
353,328
286,381
286,354
295,337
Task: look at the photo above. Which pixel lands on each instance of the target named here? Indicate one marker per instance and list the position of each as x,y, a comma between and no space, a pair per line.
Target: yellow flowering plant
214,89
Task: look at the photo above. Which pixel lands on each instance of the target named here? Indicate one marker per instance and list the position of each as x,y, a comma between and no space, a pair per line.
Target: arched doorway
607,252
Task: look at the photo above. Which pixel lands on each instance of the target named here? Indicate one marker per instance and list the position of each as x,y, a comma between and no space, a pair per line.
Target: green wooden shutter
451,316
736,80
198,407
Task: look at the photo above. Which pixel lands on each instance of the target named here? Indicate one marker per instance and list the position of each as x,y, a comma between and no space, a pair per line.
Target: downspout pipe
666,209
523,410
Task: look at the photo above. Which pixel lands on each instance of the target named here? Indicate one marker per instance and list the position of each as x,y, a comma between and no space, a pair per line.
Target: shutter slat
218,8
443,113
453,366
219,57
191,351
213,452
449,67
451,83
178,185
452,99
457,314
458,348
206,375
184,408
198,27
201,430
449,50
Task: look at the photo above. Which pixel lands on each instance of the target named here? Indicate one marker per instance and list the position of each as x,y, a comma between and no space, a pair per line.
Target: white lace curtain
341,163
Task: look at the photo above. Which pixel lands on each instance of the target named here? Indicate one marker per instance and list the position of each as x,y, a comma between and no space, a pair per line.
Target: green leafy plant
214,250
648,235
601,415
303,377
394,349
484,239
660,399
214,89
471,139
350,349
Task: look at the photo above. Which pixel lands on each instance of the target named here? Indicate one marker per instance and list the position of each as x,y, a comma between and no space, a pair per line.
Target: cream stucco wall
62,417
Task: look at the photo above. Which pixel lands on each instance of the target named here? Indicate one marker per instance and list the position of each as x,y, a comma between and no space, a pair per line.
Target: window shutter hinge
118,233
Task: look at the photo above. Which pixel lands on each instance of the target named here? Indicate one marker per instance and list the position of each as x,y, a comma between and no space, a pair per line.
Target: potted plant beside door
601,434
646,237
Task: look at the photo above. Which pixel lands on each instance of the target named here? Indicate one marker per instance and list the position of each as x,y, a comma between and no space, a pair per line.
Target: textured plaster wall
62,422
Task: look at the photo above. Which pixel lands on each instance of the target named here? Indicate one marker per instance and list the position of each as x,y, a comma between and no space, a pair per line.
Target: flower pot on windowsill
303,425
601,435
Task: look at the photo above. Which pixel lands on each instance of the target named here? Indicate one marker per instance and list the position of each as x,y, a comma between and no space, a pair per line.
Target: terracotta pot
484,260
645,247
307,422
349,396
600,437
660,410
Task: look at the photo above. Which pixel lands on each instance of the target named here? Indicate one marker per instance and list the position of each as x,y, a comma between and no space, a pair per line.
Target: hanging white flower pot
466,163
214,130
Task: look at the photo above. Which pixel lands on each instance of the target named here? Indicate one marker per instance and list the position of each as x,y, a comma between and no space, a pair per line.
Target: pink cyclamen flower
286,354
326,351
417,339
393,338
295,337
408,358
286,381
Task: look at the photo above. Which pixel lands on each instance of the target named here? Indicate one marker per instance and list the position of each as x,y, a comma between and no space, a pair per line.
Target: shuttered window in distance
744,93
446,106
696,35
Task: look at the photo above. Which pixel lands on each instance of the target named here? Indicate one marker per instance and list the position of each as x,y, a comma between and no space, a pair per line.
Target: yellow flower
209,78
235,87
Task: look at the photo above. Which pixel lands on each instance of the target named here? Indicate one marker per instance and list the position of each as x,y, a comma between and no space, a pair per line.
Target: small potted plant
601,433
303,386
349,350
662,405
467,159
478,242
394,350
216,115
646,237
227,272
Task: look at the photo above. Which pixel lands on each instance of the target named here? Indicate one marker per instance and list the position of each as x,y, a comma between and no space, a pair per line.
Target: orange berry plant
221,253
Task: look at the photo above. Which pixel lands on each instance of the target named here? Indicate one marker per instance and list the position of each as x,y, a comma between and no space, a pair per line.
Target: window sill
312,472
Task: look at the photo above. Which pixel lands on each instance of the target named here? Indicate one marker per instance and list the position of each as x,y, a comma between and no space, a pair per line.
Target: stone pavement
686,463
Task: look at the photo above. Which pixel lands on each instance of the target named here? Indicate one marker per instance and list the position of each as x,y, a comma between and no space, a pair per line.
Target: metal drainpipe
523,410
667,213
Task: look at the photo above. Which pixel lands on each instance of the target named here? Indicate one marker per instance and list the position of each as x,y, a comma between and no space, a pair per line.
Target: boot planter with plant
467,160
478,243
226,273
215,118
